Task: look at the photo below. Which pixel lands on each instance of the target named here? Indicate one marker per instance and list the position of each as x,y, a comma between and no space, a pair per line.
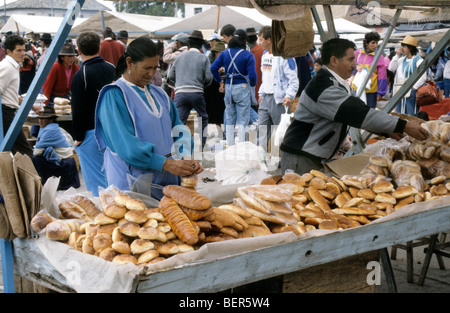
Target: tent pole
330,21
323,36
217,17
73,9
355,134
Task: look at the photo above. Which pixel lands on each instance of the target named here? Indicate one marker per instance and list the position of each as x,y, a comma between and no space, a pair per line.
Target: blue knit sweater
245,62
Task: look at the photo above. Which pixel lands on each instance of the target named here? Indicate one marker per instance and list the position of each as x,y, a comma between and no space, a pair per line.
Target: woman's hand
182,167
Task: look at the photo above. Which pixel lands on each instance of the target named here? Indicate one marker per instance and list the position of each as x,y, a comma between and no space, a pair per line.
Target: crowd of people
130,100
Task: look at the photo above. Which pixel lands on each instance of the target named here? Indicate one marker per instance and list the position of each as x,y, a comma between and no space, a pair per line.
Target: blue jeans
408,105
185,102
446,88
237,110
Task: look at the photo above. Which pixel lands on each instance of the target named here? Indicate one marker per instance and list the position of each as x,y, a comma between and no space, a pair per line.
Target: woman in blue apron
240,70
138,126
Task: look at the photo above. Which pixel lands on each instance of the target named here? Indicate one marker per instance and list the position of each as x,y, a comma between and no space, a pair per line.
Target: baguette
187,197
178,221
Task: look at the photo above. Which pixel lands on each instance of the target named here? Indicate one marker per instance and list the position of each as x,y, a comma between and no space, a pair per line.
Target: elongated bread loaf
187,197
178,221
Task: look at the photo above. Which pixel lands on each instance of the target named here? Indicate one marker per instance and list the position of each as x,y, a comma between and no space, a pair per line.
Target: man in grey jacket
191,75
327,108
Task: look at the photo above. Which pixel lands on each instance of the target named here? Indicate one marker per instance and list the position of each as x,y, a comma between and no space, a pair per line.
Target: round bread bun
385,197
107,254
379,160
147,256
317,182
125,259
319,174
79,242
91,229
130,229
152,233
115,211
167,248
138,217
268,181
118,236
403,192
438,180
103,219
383,186
438,190
135,204
88,246
139,246
367,193
307,177
106,229
101,242
121,247
73,239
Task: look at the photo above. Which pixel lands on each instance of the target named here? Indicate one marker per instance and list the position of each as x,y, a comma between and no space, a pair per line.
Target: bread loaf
40,221
58,230
187,197
87,205
178,221
70,210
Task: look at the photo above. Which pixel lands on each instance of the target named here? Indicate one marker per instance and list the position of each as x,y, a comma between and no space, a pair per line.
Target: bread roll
102,219
138,217
121,247
317,182
438,180
183,248
154,214
102,242
87,205
195,215
71,210
385,197
88,245
57,230
125,259
40,221
115,211
135,205
177,220
107,254
318,198
234,208
79,242
147,256
187,197
383,187
73,239
130,229
152,233
367,194
106,229
404,191
139,246
167,248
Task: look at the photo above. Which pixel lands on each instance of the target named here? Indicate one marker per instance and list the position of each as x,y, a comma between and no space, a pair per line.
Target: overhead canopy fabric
38,24
207,20
136,24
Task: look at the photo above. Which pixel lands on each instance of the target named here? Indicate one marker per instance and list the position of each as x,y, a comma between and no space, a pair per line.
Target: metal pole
323,36
332,33
355,134
73,10
427,62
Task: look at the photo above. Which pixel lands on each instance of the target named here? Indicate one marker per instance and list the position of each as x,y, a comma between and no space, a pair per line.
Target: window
198,10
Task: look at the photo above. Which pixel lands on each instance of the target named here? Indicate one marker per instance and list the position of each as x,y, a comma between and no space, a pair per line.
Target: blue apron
152,127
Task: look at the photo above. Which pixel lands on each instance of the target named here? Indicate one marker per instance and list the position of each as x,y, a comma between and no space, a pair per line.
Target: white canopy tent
38,24
136,24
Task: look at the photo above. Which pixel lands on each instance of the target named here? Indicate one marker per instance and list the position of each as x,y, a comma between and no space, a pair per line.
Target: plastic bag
241,163
285,121
438,130
408,173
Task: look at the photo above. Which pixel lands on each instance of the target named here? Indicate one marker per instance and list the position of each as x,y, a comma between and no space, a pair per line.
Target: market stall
308,228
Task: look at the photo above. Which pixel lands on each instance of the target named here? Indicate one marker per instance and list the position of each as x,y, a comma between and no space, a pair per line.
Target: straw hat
218,46
410,40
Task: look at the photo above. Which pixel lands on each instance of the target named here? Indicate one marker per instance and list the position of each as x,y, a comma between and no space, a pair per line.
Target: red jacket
111,51
56,82
257,52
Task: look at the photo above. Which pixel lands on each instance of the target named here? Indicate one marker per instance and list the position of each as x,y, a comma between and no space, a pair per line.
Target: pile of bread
123,230
62,106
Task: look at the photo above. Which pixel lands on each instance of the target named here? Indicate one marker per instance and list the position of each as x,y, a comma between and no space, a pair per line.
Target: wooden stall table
311,257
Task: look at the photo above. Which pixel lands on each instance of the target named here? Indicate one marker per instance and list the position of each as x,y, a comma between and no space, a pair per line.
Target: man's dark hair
12,41
265,32
88,43
335,47
227,30
196,43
